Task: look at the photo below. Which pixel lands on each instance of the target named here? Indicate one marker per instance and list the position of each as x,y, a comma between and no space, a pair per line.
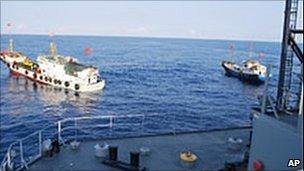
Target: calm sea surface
174,77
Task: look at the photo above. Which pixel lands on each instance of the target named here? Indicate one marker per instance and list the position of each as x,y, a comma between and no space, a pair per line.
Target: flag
88,50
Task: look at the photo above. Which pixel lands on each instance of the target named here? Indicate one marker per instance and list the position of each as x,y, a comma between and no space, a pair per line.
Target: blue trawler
251,71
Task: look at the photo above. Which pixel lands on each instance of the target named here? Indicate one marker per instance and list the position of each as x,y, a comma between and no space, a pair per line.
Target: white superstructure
54,69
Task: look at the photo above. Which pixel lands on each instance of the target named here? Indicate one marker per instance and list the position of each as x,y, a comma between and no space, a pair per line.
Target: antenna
231,47
261,55
250,50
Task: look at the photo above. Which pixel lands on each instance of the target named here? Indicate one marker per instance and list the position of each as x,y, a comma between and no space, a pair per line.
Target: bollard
113,153
134,159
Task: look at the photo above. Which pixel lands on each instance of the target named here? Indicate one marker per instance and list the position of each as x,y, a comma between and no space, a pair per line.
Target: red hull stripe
15,73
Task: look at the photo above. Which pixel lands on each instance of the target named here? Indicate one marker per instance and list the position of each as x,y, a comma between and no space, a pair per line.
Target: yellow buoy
188,156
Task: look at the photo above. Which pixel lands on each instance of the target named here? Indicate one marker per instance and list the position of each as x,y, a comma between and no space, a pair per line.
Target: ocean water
172,77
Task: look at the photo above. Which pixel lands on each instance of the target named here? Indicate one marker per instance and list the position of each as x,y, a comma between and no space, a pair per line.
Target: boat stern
3,57
12,57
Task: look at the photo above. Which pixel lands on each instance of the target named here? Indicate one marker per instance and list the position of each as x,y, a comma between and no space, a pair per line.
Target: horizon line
139,36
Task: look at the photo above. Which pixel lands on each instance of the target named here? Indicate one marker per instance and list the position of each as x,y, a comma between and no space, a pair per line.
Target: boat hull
246,77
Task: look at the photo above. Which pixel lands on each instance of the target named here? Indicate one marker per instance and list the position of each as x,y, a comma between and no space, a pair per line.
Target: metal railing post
21,151
23,163
111,121
59,131
142,124
265,96
40,143
111,125
174,123
8,155
201,123
75,125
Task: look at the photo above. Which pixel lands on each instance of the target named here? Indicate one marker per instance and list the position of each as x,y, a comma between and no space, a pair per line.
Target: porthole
77,87
66,84
26,72
41,78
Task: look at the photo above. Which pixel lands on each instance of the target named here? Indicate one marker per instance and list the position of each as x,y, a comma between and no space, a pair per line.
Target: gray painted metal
274,143
286,62
212,149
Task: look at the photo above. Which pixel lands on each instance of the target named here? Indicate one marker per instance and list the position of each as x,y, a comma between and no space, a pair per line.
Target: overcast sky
237,20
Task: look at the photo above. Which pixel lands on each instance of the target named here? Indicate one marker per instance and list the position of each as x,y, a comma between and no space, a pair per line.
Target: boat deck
211,148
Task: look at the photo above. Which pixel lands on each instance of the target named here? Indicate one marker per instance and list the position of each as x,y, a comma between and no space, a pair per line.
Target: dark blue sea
175,77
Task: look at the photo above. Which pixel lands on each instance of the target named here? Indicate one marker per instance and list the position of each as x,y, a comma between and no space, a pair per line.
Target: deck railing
24,152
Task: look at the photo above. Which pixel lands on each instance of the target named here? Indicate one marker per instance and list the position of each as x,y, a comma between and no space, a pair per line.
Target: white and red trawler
54,69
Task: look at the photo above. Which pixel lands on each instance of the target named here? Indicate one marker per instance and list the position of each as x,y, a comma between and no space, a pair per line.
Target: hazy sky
238,20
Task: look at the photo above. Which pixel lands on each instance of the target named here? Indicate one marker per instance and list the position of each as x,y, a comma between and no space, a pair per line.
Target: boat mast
52,47
231,47
11,43
10,46
250,50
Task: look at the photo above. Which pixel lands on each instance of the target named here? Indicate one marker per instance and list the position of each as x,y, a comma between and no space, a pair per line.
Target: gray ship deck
210,147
